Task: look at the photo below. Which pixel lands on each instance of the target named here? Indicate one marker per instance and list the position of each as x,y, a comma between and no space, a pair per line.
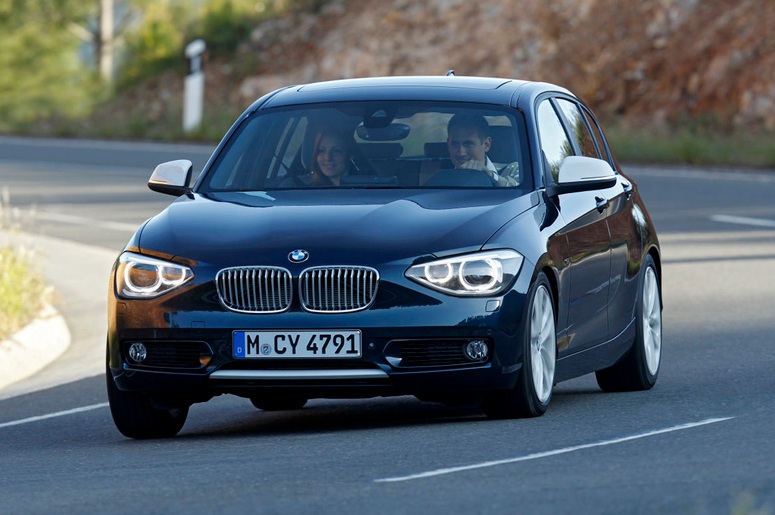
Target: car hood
334,226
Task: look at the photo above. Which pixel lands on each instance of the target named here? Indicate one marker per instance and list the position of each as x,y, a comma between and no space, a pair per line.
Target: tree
42,75
101,29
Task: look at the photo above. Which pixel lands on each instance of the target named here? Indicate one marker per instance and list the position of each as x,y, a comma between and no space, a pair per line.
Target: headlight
142,277
482,273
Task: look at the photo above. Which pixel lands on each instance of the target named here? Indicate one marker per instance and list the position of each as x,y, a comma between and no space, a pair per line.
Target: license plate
296,344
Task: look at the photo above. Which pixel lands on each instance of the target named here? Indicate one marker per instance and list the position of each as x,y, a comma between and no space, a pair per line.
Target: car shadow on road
240,418
321,416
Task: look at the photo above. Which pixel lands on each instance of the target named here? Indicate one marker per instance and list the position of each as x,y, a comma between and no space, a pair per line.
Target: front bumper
413,348
202,368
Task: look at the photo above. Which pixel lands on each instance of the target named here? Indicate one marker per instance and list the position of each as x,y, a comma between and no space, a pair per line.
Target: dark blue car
458,239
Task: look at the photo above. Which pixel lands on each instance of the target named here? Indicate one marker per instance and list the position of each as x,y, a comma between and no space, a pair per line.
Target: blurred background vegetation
63,60
114,69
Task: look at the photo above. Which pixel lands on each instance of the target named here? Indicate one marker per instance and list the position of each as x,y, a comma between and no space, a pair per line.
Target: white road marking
53,415
546,454
89,222
742,220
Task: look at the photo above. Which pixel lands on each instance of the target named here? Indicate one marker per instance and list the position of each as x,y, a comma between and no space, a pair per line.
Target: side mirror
172,177
580,173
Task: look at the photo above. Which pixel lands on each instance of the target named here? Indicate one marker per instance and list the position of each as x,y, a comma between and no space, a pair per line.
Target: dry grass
689,145
21,285
21,290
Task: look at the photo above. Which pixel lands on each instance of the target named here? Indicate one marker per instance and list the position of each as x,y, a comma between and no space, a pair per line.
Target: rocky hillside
645,61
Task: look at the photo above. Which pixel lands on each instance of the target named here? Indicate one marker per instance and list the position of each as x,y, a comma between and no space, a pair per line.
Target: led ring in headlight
438,273
144,277
478,274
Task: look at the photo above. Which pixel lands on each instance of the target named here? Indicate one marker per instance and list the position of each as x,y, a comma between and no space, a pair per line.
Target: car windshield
374,145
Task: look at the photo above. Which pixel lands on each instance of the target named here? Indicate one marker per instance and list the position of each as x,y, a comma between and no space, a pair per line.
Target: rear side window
597,134
579,128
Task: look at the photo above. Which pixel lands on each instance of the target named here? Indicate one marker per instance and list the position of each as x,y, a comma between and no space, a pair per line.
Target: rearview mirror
172,177
580,173
392,132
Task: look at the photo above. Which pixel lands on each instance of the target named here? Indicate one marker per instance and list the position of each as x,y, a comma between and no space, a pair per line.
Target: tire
136,417
531,395
279,403
639,368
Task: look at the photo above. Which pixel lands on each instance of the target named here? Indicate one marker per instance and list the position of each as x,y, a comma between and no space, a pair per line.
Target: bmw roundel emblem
298,256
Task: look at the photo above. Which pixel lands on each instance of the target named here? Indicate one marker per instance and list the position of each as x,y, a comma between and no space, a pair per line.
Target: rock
677,57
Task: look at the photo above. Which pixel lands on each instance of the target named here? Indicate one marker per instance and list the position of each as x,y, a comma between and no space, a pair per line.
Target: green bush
226,23
156,45
42,77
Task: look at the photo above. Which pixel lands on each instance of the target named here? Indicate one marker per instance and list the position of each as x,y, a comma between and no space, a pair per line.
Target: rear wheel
533,391
639,369
136,416
279,403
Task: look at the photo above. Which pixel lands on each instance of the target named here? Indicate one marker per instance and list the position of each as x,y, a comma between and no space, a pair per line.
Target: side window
554,141
596,134
289,146
579,128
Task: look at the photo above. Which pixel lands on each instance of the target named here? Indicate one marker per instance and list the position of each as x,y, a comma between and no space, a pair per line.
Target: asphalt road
699,442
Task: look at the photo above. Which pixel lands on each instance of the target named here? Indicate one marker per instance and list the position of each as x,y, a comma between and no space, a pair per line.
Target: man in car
468,141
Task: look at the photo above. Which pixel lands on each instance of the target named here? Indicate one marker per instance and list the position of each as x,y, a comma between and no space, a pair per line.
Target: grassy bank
21,290
684,145
21,284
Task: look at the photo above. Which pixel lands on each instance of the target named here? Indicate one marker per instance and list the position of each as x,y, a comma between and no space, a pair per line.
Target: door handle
627,189
601,203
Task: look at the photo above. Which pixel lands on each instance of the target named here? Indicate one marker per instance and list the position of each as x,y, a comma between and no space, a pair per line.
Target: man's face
465,145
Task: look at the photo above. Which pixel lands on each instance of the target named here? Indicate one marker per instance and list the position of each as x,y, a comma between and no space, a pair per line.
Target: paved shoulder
33,347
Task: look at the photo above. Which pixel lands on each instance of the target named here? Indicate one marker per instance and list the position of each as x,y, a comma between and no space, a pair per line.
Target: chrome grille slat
338,289
242,275
255,289
255,303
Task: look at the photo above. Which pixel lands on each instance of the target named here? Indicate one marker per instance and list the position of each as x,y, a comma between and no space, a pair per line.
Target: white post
105,45
193,94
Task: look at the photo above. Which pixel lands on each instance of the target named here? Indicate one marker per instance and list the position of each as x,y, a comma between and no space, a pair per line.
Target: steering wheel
462,177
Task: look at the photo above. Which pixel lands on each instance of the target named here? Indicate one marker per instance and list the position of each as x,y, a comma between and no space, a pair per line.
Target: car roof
442,88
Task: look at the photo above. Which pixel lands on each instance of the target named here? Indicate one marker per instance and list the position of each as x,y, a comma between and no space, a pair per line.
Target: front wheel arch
531,395
136,415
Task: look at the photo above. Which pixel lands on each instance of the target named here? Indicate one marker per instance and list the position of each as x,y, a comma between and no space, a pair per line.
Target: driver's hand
473,164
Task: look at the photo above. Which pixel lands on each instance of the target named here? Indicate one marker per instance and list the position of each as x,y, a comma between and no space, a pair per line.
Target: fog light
138,352
477,350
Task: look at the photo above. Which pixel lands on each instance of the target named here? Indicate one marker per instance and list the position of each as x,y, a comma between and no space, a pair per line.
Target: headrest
436,149
504,148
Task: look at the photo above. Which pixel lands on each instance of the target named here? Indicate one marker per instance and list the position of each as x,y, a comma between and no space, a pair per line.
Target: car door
588,242
625,221
617,204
